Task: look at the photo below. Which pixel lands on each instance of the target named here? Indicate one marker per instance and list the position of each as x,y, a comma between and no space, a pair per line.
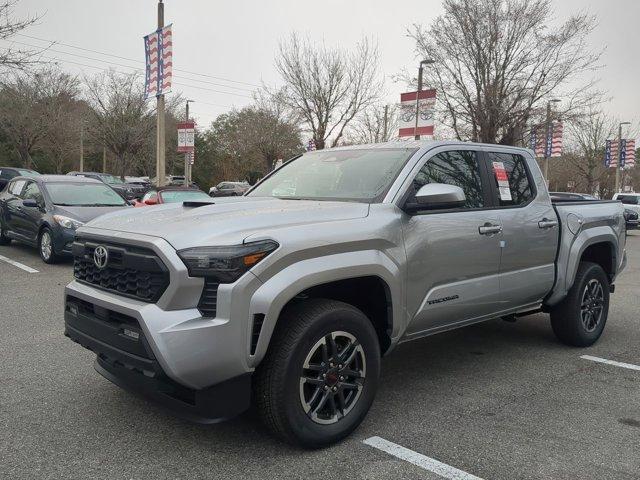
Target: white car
630,200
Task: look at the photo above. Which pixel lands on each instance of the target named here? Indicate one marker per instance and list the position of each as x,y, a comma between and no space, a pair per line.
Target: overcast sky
236,40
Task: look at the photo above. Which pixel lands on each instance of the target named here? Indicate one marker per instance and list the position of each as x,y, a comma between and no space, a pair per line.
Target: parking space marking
422,461
18,264
630,366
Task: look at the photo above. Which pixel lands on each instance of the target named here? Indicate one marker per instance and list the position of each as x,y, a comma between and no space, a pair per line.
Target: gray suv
290,295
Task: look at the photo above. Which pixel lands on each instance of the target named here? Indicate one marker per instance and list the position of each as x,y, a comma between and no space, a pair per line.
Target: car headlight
67,222
225,264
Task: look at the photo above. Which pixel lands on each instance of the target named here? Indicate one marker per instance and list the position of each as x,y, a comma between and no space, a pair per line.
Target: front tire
320,375
4,240
45,247
580,318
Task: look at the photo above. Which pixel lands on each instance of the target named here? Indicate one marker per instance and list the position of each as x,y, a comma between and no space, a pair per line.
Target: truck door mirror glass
440,195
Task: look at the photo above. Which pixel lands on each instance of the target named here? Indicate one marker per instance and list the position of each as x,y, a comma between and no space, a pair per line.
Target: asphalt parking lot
495,401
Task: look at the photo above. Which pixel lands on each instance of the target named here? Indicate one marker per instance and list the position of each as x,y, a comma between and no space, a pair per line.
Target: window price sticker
503,181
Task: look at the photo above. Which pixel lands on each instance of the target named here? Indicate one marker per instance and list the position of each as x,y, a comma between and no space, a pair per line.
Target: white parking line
18,264
431,464
630,366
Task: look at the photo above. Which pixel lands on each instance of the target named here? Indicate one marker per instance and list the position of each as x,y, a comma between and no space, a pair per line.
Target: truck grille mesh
133,272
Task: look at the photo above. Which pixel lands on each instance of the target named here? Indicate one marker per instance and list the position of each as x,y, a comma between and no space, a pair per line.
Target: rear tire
45,247
320,374
581,317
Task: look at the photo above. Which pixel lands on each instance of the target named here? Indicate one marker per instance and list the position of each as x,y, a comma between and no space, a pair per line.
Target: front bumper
125,357
62,239
177,349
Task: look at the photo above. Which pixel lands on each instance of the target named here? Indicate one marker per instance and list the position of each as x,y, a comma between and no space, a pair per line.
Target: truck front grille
130,271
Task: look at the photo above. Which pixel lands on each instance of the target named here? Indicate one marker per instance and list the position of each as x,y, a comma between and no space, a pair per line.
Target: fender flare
271,297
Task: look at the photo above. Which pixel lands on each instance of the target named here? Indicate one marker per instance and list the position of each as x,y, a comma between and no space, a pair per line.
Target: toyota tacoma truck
288,297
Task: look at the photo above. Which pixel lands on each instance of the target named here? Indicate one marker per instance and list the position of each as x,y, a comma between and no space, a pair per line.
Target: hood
226,221
86,214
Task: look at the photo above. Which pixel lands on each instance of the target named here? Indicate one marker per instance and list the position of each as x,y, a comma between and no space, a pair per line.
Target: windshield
174,196
361,175
28,173
111,179
628,199
83,195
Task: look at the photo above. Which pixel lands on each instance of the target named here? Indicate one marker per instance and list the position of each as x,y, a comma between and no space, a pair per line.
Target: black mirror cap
30,202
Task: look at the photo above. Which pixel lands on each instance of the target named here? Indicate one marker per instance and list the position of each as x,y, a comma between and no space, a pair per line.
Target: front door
453,255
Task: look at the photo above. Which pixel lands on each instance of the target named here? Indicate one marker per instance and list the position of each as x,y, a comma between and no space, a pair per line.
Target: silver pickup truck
288,296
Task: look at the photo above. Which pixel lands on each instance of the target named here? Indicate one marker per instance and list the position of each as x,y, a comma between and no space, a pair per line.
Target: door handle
489,229
546,223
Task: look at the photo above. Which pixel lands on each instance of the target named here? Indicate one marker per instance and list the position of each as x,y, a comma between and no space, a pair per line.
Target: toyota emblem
100,256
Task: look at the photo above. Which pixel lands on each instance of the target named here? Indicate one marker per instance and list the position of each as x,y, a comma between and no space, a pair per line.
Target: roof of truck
425,144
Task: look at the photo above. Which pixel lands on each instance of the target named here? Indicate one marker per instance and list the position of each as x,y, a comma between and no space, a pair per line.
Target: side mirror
438,196
30,202
151,201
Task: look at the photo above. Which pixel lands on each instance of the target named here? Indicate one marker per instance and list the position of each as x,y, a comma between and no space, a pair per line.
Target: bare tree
29,106
378,123
586,155
328,87
12,58
499,61
122,120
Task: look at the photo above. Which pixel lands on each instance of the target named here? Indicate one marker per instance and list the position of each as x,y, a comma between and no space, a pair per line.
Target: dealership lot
497,401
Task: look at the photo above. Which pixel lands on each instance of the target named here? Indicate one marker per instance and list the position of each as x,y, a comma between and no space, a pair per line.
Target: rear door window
517,188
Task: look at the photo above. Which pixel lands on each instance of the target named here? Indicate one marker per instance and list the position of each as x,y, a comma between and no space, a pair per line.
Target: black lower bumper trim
211,405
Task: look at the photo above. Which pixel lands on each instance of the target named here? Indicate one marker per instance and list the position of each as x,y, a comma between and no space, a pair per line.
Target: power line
128,66
133,60
140,70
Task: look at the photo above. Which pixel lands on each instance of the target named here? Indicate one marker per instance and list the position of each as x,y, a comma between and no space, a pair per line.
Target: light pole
160,138
187,166
549,139
420,71
619,167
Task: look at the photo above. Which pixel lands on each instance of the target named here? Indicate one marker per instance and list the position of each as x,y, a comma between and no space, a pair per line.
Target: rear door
530,228
453,256
31,216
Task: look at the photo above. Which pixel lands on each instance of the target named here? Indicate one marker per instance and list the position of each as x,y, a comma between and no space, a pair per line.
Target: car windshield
628,199
174,196
28,173
111,179
83,195
359,175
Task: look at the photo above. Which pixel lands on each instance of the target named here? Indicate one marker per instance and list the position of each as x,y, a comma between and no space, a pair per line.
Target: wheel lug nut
324,375
340,366
326,387
334,389
341,378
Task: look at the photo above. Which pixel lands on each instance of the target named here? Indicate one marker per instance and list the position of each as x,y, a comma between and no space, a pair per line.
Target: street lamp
420,71
619,167
187,164
547,150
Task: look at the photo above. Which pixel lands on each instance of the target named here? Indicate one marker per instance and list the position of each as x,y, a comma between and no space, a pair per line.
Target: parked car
630,200
7,173
128,192
568,196
294,299
139,185
631,219
171,194
229,189
44,211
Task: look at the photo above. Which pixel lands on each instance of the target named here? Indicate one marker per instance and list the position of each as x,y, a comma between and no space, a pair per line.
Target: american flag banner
158,49
630,155
611,154
554,141
311,146
546,143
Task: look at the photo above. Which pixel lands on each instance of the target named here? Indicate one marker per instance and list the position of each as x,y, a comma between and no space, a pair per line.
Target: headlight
67,222
225,264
